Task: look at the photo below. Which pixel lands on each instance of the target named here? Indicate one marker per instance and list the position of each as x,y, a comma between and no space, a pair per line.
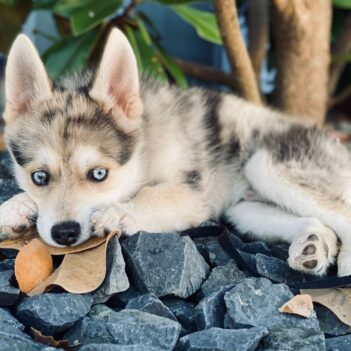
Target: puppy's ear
116,85
25,78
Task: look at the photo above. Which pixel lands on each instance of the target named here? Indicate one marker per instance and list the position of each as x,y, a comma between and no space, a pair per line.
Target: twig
258,23
242,71
205,72
342,46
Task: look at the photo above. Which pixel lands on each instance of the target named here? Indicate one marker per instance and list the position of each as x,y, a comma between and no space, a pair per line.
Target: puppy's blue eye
98,174
40,178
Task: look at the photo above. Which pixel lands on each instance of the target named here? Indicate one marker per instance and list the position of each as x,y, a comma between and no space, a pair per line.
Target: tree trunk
238,57
302,37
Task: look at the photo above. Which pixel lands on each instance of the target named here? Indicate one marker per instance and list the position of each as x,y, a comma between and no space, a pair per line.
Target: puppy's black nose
65,233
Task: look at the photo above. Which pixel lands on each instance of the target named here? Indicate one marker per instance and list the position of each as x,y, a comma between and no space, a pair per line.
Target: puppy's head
76,143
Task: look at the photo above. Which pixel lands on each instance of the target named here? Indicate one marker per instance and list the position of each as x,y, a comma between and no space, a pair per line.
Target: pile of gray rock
170,292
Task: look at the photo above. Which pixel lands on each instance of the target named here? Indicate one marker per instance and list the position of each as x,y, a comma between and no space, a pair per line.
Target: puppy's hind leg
313,245
305,192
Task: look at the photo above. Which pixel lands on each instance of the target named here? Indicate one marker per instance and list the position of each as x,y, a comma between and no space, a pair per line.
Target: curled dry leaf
49,340
300,304
33,265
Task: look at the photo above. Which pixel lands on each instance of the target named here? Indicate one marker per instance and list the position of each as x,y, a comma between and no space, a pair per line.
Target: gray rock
212,251
220,276
89,330
100,312
8,188
211,309
294,339
257,247
341,343
52,313
329,323
7,264
7,318
120,300
128,327
8,294
116,279
255,302
113,347
151,304
222,340
184,312
167,264
13,339
278,270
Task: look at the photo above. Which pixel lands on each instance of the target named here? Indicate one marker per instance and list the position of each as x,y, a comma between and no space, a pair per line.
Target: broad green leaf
133,42
43,4
344,4
70,54
172,68
9,2
204,22
178,2
88,14
342,58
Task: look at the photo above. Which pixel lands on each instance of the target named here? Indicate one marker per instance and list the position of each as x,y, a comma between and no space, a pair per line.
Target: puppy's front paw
16,216
105,220
314,251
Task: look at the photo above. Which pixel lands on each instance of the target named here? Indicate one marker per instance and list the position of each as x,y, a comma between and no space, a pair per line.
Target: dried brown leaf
336,300
79,272
49,340
300,304
33,265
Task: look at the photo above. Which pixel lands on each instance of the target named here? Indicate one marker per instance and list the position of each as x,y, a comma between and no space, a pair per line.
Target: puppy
112,150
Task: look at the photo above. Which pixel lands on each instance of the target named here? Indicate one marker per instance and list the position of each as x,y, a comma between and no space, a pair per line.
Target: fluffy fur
175,158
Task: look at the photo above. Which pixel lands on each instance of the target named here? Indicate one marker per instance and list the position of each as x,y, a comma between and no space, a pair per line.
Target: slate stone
294,339
7,264
100,311
329,323
222,340
113,347
341,343
212,251
255,302
52,313
120,300
13,339
116,279
278,270
7,318
8,188
8,294
257,247
128,327
151,304
5,165
211,309
167,264
220,276
184,312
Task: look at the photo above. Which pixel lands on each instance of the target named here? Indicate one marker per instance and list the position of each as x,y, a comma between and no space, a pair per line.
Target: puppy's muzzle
65,233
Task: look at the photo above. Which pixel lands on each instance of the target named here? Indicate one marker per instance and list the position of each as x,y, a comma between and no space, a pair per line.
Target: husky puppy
94,153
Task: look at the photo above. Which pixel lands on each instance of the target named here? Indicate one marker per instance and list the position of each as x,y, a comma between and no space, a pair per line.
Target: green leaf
344,4
204,22
70,54
342,58
9,2
43,4
88,14
133,42
172,68
178,2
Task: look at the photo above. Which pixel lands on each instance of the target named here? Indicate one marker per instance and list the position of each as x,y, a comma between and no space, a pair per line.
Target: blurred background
291,55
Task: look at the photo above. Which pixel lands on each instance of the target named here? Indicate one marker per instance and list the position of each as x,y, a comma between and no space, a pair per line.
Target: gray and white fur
171,158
